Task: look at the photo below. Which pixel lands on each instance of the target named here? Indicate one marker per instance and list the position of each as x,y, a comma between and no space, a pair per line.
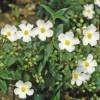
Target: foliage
42,62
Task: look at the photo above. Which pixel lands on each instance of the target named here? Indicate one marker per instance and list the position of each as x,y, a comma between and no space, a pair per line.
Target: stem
13,94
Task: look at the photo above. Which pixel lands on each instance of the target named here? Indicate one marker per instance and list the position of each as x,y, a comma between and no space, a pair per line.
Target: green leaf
60,12
98,83
20,60
67,72
63,19
57,96
3,86
48,9
26,77
58,77
59,29
38,97
18,74
48,51
7,47
15,10
98,10
7,75
10,60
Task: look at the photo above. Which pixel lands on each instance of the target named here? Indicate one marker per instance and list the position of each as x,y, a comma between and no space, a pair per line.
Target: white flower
90,35
97,2
10,31
43,29
88,11
67,41
26,31
79,78
88,65
23,89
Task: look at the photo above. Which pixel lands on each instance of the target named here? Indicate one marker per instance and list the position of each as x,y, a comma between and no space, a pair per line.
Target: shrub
59,54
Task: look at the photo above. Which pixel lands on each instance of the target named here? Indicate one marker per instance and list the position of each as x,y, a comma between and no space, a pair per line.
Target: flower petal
27,39
49,33
76,41
90,57
85,41
18,34
61,37
93,42
61,46
92,28
29,26
72,82
49,24
17,91
19,83
94,63
42,37
70,48
40,22
97,36
78,82
28,84
30,92
91,70
34,32
22,95
70,34
22,26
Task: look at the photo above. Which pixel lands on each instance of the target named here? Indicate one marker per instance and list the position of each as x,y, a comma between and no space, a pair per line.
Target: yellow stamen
67,42
26,33
8,34
75,75
88,11
89,35
42,30
23,89
86,64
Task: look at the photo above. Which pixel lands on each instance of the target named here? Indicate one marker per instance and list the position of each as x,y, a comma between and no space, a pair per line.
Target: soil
9,95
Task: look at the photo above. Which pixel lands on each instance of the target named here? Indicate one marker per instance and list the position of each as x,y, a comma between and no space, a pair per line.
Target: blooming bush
58,56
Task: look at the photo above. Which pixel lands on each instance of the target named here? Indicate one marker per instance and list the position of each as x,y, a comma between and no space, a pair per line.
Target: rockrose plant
55,57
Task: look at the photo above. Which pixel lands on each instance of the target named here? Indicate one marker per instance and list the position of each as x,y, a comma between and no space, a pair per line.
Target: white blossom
97,2
67,41
10,31
23,89
90,35
88,65
43,29
88,11
25,31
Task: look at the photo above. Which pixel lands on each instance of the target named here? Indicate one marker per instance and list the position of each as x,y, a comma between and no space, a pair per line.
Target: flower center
8,34
23,89
88,11
89,35
75,75
26,33
67,42
42,30
86,64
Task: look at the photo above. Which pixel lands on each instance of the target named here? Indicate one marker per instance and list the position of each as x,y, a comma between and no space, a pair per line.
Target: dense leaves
42,62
